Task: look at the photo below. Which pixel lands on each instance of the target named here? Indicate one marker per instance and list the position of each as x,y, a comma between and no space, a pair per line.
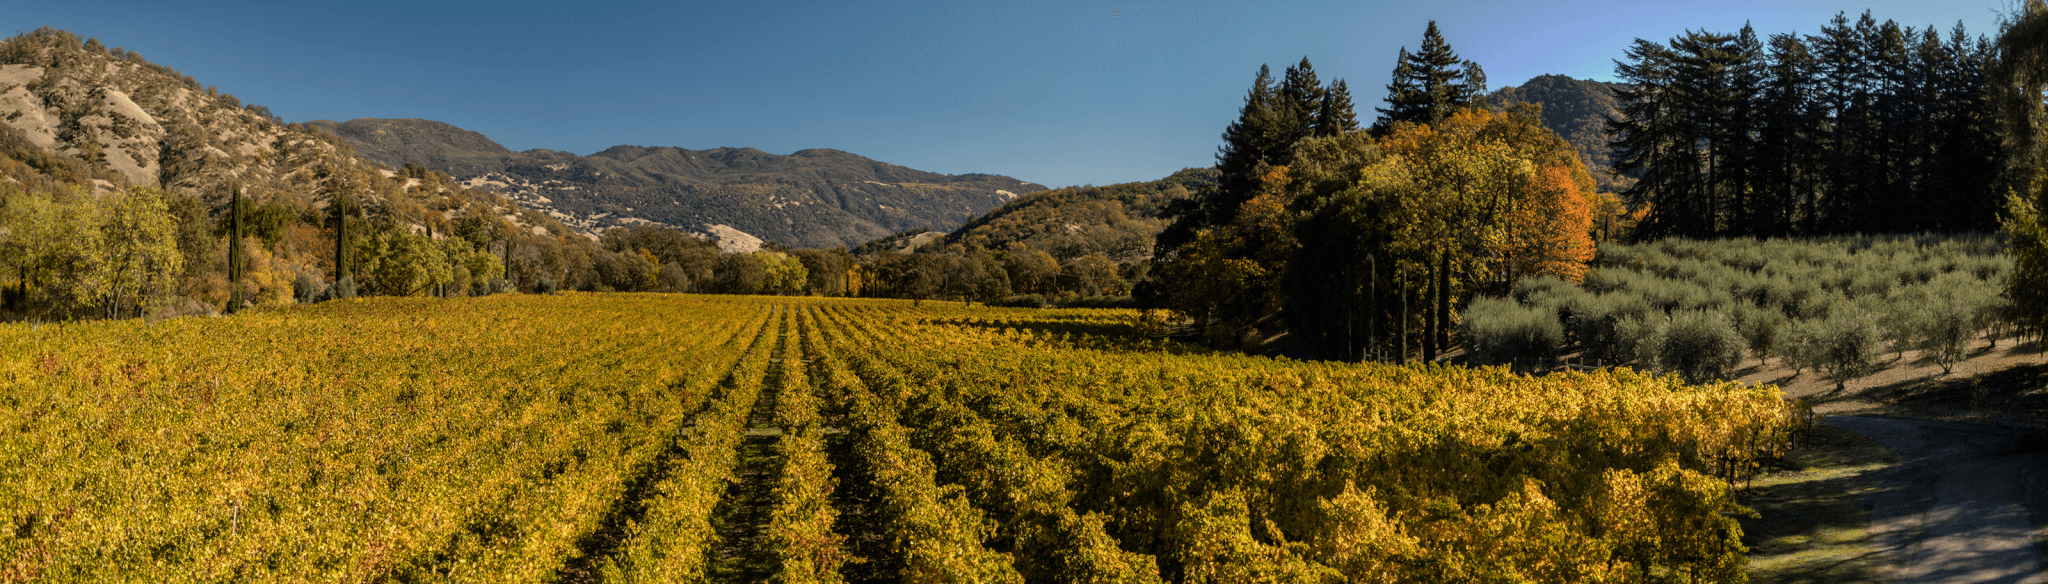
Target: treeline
1359,243
1865,127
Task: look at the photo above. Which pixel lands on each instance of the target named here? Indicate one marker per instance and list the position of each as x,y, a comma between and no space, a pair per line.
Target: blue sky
1059,93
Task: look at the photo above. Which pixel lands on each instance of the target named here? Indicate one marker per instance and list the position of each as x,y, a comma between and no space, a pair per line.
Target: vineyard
665,438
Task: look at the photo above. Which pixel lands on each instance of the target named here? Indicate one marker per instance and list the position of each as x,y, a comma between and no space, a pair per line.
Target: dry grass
2001,385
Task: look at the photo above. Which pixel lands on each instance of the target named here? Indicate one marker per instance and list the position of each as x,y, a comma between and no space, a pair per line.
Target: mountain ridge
815,197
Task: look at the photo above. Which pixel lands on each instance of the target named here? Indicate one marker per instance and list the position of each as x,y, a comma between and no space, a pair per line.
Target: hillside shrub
1500,331
1845,346
1638,339
1700,346
1594,325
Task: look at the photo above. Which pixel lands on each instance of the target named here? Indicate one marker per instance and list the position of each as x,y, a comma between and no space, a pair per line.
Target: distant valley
740,196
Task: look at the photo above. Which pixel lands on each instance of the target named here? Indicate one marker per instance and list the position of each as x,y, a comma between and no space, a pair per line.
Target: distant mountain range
741,196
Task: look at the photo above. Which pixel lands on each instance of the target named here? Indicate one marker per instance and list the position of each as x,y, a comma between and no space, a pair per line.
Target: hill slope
1120,220
810,198
1576,109
76,112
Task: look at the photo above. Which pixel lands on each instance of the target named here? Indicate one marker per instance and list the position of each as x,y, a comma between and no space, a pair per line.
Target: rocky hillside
811,198
75,111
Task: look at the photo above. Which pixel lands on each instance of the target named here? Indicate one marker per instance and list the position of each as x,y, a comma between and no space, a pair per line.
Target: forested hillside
810,198
1578,111
1119,220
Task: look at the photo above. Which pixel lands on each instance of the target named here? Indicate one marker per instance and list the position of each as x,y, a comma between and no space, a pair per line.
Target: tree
407,263
781,273
235,249
1430,84
1032,272
825,270
1334,116
1092,274
142,260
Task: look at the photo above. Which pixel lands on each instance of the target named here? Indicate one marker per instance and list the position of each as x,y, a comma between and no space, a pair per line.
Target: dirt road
1964,504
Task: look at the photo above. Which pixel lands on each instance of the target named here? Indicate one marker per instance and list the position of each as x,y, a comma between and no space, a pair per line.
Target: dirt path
1963,504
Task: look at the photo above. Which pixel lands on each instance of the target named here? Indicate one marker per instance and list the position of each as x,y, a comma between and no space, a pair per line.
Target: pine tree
1297,103
340,239
1335,115
1248,143
1786,128
1429,84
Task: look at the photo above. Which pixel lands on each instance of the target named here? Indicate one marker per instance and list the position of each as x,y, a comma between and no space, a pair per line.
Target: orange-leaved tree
1550,231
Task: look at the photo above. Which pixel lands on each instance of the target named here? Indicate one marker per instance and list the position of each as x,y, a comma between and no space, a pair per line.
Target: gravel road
1965,504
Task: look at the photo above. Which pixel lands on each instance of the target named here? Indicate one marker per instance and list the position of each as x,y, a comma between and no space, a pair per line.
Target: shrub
1846,346
1103,301
546,286
1593,324
306,291
1500,331
1700,346
343,288
501,286
1022,301
1638,338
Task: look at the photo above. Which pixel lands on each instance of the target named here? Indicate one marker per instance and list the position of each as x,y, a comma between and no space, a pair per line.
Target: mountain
1577,110
810,198
74,112
1119,220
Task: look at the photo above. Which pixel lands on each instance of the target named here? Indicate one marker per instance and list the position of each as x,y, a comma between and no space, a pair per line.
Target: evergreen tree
1429,84
1248,144
1649,140
1786,127
1335,115
1297,105
235,248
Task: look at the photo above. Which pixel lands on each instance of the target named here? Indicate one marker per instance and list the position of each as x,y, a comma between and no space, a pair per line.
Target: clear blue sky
1058,93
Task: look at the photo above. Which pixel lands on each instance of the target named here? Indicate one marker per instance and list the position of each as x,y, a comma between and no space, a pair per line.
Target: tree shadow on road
1812,526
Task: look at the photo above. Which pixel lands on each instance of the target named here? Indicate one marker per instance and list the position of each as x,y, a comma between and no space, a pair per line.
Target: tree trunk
1443,299
1429,312
1401,332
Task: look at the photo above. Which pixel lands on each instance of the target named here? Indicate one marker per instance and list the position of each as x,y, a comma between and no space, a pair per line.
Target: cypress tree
235,248
340,238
